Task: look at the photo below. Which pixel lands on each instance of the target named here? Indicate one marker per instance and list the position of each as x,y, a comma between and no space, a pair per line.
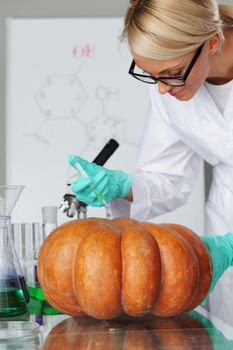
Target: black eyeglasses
172,81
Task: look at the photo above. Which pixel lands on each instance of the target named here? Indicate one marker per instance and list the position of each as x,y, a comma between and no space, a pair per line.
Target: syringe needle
98,194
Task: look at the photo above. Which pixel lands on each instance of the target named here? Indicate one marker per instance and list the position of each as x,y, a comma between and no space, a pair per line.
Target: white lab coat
177,135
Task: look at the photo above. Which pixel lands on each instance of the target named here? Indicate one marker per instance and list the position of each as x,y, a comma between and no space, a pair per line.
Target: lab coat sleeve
167,168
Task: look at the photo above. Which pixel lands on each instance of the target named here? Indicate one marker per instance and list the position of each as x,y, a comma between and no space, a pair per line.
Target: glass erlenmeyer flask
13,291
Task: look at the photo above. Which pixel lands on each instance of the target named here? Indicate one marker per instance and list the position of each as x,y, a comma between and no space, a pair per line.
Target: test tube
49,219
17,264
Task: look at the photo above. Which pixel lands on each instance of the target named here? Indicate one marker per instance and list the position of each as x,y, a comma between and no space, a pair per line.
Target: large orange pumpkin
101,267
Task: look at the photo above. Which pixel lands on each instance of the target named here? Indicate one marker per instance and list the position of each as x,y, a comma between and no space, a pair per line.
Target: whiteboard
69,92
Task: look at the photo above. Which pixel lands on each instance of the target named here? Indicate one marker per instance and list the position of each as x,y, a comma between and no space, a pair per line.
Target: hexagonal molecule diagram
61,96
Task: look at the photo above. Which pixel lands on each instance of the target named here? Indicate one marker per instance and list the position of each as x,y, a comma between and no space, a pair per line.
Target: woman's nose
163,88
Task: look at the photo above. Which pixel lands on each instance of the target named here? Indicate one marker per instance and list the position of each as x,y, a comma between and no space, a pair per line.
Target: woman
184,49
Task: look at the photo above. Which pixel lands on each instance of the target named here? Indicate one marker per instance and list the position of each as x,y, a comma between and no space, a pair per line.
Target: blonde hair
167,29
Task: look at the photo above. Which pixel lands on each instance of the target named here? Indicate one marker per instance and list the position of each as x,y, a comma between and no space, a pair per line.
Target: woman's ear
214,43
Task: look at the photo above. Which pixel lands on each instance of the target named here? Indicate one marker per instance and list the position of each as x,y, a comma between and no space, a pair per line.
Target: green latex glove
221,252
109,183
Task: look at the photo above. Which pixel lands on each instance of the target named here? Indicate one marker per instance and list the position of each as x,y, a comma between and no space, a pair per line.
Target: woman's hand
110,184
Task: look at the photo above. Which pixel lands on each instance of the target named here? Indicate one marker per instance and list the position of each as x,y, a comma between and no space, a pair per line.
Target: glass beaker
13,290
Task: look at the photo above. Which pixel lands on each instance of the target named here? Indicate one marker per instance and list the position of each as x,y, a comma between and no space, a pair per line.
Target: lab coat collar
202,126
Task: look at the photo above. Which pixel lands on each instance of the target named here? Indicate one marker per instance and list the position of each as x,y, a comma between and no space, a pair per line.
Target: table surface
194,330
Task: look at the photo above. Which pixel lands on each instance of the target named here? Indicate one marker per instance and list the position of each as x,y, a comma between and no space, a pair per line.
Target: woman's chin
186,96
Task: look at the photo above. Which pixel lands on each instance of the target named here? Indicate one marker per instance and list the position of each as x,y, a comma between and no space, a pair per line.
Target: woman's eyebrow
167,70
181,65
173,68
178,66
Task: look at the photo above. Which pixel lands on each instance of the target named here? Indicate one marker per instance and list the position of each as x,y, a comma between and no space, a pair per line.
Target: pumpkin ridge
52,264
204,260
99,223
99,284
183,238
140,270
123,222
41,274
178,269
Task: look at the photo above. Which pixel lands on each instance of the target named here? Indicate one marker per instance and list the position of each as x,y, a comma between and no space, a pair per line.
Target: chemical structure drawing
61,99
